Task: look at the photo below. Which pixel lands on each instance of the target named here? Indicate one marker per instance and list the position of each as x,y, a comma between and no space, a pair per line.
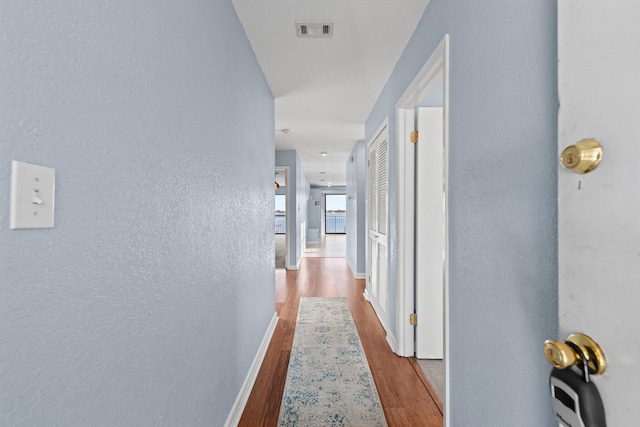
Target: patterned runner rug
328,382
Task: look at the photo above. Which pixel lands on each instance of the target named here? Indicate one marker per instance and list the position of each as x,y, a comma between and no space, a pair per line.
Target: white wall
132,309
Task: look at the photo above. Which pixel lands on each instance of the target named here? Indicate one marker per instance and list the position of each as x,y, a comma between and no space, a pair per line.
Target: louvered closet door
383,167
373,219
378,154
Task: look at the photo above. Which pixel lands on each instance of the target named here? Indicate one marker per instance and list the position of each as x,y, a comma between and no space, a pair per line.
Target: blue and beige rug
328,382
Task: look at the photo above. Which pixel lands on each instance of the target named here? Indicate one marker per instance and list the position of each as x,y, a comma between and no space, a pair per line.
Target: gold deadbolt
582,157
561,355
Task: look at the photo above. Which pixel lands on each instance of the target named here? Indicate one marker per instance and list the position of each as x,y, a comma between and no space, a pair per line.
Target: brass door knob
582,157
561,355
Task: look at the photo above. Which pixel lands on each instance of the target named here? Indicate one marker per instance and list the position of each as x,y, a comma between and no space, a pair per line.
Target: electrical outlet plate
32,196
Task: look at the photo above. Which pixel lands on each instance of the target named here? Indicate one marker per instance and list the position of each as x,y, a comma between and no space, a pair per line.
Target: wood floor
405,394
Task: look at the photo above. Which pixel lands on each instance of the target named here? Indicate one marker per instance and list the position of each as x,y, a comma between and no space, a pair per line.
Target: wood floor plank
405,398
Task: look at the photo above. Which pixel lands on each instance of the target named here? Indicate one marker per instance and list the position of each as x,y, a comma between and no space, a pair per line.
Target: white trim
435,69
377,309
287,236
296,266
243,396
353,270
445,172
406,206
288,226
391,340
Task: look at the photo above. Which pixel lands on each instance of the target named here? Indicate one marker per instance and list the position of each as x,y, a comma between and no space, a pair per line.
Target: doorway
326,214
281,229
281,220
423,255
335,213
429,242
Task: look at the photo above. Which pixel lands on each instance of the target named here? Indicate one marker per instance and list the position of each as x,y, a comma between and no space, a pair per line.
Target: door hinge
369,163
414,136
413,319
369,278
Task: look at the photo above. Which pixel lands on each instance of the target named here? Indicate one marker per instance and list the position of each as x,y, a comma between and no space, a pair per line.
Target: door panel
378,155
382,275
373,219
430,235
599,213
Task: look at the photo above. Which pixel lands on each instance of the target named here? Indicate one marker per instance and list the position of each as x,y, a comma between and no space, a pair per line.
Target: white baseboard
243,396
295,267
355,273
391,340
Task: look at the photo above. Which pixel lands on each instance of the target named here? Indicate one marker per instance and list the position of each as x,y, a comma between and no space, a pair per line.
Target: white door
430,234
599,213
377,287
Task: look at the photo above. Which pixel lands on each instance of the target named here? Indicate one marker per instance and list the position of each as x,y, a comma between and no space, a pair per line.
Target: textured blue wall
315,194
133,309
356,209
502,193
314,212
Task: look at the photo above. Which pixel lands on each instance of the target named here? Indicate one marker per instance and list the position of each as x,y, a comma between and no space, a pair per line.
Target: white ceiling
324,88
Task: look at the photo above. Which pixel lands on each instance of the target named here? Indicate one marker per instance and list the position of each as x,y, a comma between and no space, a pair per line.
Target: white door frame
434,71
287,237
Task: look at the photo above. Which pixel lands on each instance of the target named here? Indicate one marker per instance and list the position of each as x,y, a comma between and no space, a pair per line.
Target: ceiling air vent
312,29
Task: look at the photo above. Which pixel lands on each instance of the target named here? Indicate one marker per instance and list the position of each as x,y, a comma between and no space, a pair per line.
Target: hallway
404,392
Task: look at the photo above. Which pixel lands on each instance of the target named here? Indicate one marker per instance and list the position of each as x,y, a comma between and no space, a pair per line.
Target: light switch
32,196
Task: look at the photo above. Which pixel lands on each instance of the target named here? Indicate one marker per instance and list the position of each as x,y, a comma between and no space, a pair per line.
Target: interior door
430,234
378,159
599,212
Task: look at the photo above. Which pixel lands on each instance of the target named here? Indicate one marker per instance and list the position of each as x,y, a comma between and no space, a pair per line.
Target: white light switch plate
32,196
